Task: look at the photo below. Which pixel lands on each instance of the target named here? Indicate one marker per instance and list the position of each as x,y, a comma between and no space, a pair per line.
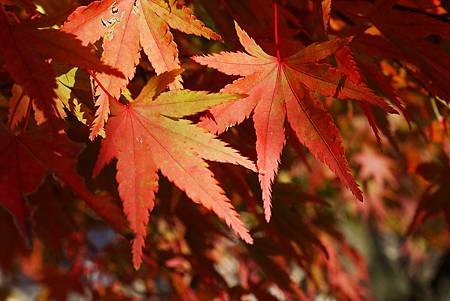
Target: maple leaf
404,36
434,200
285,87
148,135
28,157
26,51
378,173
126,26
376,166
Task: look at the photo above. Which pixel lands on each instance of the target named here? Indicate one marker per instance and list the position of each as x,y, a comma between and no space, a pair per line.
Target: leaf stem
276,36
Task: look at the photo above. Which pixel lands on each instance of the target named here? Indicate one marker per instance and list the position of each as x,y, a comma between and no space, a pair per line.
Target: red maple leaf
286,87
126,26
149,135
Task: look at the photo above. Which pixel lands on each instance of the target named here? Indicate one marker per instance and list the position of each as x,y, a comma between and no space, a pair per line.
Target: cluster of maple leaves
81,72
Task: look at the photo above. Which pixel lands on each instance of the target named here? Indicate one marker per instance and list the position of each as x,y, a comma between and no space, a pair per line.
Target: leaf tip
267,208
248,238
267,215
136,250
238,28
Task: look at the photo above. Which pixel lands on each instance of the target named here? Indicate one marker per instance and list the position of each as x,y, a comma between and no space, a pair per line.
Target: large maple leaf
286,87
148,135
26,51
125,26
28,157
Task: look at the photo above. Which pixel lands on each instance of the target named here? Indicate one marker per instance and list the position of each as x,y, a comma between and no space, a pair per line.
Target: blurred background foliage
321,244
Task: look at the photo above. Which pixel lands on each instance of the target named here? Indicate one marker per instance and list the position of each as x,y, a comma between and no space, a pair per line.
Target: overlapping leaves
126,26
148,135
27,50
